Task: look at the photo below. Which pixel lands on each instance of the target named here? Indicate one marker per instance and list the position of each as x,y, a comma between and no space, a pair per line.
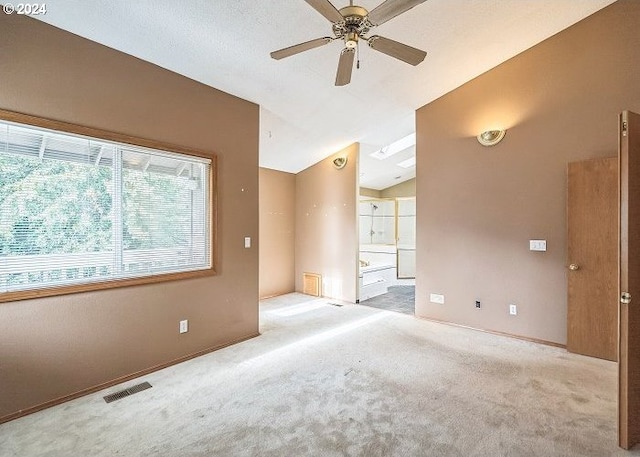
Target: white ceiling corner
304,118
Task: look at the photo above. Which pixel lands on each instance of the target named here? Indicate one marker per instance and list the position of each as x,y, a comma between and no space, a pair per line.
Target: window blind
75,209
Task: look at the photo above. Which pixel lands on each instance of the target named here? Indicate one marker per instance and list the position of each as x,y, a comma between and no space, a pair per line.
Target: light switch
247,241
537,245
184,326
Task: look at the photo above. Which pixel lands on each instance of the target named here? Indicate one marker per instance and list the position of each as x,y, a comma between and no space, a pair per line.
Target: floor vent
334,304
125,393
311,284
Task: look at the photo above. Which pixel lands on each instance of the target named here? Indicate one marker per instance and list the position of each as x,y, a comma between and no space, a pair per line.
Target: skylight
409,163
395,147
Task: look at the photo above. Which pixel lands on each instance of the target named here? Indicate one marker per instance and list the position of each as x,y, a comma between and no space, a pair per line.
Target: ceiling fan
351,24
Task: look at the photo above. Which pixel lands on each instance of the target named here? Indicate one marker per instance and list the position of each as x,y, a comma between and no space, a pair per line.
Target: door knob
625,298
574,267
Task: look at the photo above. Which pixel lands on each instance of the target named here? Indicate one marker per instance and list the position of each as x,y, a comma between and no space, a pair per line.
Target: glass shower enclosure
377,221
406,241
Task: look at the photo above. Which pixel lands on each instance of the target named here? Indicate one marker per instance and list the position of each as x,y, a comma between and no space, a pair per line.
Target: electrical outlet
436,298
184,326
537,245
477,303
513,310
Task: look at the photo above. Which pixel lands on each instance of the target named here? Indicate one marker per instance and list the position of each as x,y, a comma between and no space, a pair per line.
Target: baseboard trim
496,332
121,379
278,294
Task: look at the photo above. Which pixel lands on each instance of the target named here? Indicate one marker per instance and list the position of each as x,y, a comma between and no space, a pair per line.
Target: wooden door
592,301
629,272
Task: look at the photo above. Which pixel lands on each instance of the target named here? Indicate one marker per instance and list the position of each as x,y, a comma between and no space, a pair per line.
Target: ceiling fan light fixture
491,137
351,40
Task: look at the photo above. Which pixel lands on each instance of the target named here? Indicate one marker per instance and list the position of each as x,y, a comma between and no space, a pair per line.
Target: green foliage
53,207
57,207
156,211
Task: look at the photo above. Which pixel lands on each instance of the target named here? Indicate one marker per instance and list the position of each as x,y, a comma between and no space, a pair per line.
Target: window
80,213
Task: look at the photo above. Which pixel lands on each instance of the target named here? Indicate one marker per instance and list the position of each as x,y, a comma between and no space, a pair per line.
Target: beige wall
404,189
326,230
478,207
277,232
53,347
366,192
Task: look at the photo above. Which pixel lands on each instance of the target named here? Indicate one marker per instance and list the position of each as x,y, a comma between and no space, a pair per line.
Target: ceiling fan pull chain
357,56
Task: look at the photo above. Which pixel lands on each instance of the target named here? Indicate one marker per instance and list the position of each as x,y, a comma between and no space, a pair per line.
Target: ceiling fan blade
345,67
390,9
326,8
295,49
400,51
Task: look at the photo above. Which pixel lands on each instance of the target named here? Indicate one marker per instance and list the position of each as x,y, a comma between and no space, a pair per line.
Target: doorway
591,183
387,253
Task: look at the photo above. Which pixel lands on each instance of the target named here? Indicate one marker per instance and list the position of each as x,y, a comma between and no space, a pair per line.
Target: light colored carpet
345,381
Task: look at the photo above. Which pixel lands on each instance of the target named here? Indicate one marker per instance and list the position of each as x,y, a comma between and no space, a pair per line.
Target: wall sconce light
339,162
491,137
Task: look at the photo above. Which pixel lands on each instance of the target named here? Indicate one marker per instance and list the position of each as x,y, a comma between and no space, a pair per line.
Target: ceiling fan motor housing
354,25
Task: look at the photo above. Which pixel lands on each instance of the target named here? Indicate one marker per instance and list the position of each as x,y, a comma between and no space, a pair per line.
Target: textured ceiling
304,118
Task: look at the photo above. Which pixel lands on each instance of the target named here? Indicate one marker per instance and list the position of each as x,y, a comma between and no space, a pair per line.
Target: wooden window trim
35,121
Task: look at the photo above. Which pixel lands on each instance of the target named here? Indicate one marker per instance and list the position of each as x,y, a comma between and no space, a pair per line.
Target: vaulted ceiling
303,116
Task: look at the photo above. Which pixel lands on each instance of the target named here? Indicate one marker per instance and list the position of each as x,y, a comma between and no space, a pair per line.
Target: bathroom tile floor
401,299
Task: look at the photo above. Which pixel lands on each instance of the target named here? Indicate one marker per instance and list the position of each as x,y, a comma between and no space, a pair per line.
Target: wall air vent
125,393
311,284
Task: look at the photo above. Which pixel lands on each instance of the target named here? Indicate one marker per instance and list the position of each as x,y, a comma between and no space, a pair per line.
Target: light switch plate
436,298
247,241
184,326
537,245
